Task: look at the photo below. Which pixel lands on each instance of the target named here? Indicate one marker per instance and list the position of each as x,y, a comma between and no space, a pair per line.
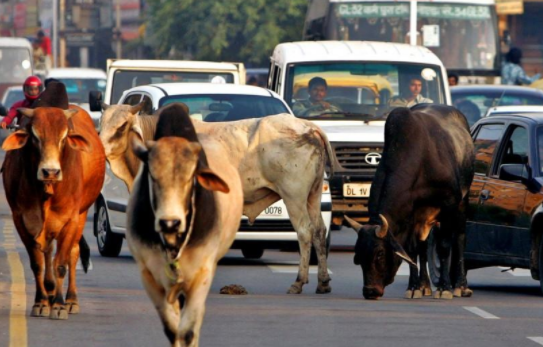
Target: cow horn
354,224
381,232
136,108
104,106
29,112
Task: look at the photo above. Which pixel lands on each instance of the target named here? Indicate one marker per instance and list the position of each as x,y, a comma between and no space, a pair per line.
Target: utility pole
62,25
413,23
118,28
55,33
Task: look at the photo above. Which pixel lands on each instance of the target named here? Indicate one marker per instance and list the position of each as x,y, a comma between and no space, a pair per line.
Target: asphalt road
506,309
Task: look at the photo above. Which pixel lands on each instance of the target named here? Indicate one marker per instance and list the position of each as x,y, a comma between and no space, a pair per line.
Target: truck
15,62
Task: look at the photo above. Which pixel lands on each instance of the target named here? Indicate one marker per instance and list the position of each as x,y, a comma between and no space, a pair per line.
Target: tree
233,30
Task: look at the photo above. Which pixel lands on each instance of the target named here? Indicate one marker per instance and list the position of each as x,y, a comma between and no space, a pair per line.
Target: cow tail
329,151
84,253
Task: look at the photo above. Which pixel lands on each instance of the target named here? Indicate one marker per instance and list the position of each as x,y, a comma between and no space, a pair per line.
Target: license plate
273,211
356,190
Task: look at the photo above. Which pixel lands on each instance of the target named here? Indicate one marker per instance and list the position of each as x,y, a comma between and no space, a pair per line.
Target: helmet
32,81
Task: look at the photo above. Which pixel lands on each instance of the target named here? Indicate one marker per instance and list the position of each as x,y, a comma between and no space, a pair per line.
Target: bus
15,62
462,33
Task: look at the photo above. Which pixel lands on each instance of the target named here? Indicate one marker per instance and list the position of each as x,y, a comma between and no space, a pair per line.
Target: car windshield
12,96
78,88
16,65
124,80
227,107
475,104
353,90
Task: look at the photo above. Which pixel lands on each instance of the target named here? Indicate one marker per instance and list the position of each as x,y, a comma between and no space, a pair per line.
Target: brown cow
182,218
52,173
278,157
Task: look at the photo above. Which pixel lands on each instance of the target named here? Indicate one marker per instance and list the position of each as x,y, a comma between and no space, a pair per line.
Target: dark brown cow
52,173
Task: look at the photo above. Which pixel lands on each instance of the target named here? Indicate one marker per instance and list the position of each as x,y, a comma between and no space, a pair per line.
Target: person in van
315,105
414,97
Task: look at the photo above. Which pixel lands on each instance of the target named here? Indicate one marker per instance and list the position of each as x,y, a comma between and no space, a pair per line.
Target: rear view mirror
3,111
515,172
95,99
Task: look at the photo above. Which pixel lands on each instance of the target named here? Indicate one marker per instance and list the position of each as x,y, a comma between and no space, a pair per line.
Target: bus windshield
464,36
349,90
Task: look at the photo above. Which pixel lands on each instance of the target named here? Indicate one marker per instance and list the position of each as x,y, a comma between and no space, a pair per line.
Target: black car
475,100
505,210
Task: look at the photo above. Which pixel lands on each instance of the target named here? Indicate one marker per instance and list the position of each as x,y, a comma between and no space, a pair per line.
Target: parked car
475,100
12,95
505,210
79,82
211,103
508,110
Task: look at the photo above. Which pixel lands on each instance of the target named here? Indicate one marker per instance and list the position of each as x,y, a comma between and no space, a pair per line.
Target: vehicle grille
267,225
354,158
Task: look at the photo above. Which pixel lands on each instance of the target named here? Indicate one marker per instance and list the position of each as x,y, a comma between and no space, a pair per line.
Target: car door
115,191
501,209
486,141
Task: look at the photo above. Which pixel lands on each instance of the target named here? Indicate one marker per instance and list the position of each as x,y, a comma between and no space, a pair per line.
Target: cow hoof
417,294
408,294
444,295
413,294
427,291
40,310
323,289
58,313
73,308
465,292
295,289
457,292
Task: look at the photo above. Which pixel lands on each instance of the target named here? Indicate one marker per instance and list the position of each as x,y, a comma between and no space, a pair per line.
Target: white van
364,81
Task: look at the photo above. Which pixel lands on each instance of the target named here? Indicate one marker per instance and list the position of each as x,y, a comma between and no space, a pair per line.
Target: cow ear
140,150
400,252
70,113
79,143
210,181
136,130
29,112
15,141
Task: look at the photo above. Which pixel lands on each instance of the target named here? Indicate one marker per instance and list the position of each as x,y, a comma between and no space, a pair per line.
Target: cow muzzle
169,225
49,174
372,293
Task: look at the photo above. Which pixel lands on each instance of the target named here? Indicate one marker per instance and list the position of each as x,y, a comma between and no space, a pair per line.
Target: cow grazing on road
278,157
183,215
421,183
52,173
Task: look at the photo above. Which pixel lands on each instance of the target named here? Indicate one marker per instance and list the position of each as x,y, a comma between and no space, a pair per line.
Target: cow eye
380,255
122,128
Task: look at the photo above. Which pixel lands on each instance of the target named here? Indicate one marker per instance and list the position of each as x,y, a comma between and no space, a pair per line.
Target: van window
126,79
360,88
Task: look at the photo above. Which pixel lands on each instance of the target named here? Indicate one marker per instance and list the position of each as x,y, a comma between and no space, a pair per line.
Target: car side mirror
3,111
95,100
515,172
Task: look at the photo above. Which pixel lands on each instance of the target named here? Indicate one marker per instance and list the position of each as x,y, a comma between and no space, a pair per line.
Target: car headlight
325,187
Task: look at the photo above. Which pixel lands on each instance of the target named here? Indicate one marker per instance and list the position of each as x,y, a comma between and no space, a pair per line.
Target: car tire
252,252
109,243
434,265
313,260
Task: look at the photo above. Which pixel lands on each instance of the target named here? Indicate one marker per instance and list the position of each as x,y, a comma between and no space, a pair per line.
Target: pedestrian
453,79
512,71
45,44
32,88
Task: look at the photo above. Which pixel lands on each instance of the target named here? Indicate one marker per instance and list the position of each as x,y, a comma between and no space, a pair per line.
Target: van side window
270,75
486,142
132,100
147,106
274,77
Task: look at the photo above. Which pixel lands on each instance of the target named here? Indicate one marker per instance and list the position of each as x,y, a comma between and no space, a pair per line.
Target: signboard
430,35
509,6
441,11
80,39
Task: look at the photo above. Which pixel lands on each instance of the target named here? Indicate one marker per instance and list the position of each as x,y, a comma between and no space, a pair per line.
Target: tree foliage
233,30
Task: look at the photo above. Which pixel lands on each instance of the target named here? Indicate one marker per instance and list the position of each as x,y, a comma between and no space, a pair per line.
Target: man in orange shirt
45,44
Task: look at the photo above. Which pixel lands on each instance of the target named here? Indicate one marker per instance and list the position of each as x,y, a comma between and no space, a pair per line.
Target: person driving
32,88
315,105
415,97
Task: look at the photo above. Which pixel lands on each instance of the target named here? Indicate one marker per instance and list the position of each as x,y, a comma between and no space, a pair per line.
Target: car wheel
313,260
109,243
434,265
252,252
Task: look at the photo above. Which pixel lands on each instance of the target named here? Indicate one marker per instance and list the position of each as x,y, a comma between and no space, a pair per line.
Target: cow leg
302,224
41,306
168,313
443,236
49,275
65,244
425,285
458,267
413,288
192,315
72,302
319,238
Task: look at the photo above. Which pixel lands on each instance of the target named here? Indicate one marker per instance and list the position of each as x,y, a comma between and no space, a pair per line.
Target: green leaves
234,30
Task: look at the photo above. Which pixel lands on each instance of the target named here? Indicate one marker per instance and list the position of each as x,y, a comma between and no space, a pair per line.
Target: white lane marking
292,269
536,339
480,313
517,272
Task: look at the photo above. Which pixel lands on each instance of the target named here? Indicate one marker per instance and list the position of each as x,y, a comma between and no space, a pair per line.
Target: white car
207,102
11,96
79,82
